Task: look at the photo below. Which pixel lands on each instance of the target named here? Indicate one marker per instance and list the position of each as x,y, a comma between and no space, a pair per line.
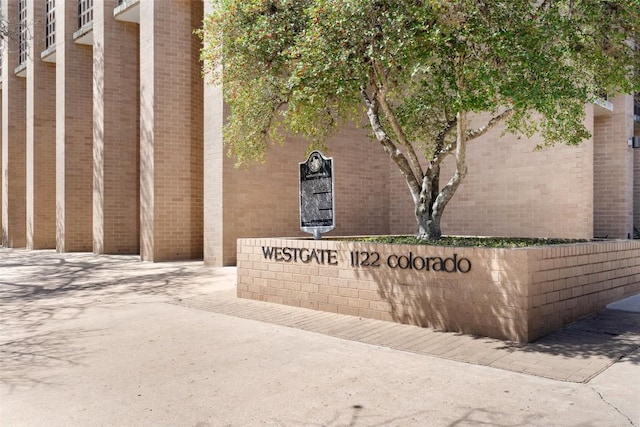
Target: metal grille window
85,12
22,18
50,24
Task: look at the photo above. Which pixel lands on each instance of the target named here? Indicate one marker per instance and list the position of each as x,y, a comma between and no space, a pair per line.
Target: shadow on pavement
611,333
40,288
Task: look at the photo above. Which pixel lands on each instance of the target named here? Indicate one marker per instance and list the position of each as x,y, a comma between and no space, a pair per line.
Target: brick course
190,199
74,134
1,174
214,158
171,121
514,294
636,184
614,171
13,141
41,140
116,133
511,190
262,199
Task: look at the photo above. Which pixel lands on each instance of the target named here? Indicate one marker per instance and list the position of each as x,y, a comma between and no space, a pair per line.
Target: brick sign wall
514,294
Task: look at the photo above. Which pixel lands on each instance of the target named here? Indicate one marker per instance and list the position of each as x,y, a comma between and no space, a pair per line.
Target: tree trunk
431,202
428,226
427,218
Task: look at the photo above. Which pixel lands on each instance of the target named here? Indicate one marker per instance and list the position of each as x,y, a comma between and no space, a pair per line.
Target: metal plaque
317,204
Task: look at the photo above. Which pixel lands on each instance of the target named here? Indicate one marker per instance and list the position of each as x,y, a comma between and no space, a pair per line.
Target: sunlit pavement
108,340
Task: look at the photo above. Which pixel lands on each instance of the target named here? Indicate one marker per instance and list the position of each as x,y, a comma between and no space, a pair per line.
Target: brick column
74,134
1,175
13,140
636,187
214,159
41,137
170,131
116,148
613,171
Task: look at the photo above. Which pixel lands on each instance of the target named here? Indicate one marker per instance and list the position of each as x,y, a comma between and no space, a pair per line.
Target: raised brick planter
514,294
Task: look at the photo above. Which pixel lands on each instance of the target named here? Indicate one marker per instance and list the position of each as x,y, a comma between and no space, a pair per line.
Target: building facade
112,143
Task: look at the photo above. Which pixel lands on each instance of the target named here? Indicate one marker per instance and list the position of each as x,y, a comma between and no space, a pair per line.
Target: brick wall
613,171
74,134
116,133
171,122
41,139
13,142
516,294
572,282
511,190
214,162
262,199
1,138
1,174
636,187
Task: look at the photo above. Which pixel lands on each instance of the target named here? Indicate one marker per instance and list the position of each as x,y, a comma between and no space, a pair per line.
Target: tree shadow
41,353
450,302
30,276
40,290
359,415
613,334
469,304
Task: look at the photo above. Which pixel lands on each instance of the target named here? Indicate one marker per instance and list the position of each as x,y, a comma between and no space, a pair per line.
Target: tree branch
388,145
441,151
473,134
461,166
461,153
395,125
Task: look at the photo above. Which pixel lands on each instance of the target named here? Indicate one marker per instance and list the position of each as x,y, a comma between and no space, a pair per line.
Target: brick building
111,143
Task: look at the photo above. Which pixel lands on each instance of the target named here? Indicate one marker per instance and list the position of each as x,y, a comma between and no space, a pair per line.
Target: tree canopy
416,70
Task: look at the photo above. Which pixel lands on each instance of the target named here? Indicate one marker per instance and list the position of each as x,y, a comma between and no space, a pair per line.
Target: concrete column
613,171
13,139
116,148
41,137
74,134
170,131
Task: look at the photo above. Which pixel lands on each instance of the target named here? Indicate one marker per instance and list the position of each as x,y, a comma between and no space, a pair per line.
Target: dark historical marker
317,205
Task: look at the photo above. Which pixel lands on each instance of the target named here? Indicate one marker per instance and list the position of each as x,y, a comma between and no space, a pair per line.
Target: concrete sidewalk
576,353
108,340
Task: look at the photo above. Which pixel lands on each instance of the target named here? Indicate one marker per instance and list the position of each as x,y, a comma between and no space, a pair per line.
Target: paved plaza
91,340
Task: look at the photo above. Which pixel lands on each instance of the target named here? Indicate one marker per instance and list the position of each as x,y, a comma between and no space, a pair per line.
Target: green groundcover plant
463,241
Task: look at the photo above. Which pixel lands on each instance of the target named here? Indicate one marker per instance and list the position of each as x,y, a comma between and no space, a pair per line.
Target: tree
5,30
10,34
418,71
5,33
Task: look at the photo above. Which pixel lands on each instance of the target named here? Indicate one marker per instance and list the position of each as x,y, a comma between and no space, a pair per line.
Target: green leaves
299,65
